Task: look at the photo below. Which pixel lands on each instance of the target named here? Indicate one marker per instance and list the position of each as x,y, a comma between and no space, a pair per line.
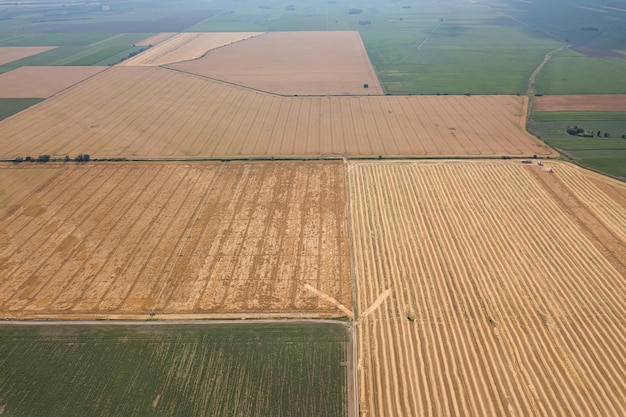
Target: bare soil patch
581,102
597,52
506,296
236,239
186,46
146,112
42,82
294,63
14,53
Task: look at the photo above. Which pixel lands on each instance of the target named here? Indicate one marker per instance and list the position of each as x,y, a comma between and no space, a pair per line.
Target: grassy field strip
496,292
200,369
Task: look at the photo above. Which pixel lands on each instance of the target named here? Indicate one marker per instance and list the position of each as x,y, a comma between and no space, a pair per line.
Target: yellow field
207,239
507,288
186,46
146,112
293,63
13,53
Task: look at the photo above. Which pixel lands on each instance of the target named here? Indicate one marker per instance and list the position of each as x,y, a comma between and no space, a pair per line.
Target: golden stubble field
184,47
500,289
147,112
293,63
205,239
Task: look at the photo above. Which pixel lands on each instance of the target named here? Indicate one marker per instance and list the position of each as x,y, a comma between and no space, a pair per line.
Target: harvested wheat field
42,82
498,289
14,53
207,239
582,102
146,112
156,39
293,63
186,46
16,185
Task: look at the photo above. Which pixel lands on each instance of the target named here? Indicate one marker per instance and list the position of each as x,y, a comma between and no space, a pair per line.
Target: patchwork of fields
229,239
145,112
477,287
507,289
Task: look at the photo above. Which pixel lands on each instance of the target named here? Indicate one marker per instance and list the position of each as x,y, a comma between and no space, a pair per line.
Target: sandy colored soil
147,112
42,82
156,39
186,46
582,102
508,288
293,63
231,238
13,53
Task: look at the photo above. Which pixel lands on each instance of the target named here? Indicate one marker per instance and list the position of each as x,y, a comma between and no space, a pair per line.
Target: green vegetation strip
239,369
10,106
604,154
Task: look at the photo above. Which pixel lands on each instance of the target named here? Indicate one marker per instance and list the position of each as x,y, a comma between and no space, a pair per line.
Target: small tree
43,158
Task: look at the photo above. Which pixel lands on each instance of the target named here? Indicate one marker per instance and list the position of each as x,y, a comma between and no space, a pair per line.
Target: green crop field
571,72
240,369
604,154
10,106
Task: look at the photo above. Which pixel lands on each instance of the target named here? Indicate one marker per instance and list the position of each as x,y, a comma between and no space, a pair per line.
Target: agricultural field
581,103
185,47
204,239
156,39
489,288
15,53
11,106
296,369
186,116
574,72
604,154
42,82
293,63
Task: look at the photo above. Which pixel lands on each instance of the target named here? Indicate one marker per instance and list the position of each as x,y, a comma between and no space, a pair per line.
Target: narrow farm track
231,239
502,302
148,112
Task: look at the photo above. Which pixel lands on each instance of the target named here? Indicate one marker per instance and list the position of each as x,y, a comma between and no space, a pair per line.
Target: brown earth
17,184
146,112
231,239
42,82
186,46
293,63
581,102
14,53
507,286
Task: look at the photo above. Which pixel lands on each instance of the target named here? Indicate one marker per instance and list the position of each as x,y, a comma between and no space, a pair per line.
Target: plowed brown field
220,239
42,82
186,46
293,63
13,53
507,289
146,112
584,102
